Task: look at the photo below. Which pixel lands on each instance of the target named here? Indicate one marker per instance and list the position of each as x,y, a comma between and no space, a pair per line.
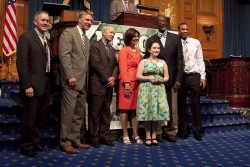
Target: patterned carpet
229,149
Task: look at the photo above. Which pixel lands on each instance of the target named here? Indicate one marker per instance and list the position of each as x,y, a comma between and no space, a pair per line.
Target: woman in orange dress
129,58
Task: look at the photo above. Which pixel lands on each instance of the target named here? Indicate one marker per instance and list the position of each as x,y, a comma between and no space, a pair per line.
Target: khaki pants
172,126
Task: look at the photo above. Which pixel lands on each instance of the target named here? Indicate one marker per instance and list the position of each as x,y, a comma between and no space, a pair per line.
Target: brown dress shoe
81,145
69,149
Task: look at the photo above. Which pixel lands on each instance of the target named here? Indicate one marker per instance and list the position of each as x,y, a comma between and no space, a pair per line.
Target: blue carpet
220,149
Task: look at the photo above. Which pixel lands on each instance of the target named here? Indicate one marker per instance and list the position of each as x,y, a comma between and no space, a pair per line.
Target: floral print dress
152,102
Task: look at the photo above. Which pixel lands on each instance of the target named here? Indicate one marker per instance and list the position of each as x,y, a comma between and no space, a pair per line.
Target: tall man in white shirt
193,80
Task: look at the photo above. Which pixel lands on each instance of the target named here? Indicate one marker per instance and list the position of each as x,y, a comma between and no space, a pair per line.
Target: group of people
148,85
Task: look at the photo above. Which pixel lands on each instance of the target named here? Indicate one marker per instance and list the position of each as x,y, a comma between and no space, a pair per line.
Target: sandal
138,140
126,140
155,142
149,144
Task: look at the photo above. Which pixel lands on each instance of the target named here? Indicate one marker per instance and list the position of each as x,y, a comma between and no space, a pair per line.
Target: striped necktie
46,47
187,61
84,39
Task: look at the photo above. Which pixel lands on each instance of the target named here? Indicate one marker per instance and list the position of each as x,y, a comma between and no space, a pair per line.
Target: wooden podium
138,20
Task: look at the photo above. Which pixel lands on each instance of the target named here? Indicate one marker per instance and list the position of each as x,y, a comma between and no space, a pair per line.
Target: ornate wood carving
230,80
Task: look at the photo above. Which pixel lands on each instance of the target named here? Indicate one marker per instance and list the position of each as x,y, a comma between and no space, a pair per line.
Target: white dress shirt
194,56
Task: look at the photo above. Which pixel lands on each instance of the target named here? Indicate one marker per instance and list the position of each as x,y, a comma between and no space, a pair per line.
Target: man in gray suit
119,6
102,75
74,60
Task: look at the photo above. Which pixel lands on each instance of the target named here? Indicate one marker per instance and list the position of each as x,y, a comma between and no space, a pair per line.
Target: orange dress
128,63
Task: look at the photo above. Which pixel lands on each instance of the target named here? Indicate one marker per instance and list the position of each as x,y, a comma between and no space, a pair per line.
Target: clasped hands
154,80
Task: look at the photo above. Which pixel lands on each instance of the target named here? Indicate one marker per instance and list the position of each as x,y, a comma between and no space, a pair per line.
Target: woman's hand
151,79
128,91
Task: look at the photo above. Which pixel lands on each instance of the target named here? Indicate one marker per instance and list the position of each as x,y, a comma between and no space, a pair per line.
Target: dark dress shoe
170,138
108,142
41,148
154,142
159,137
147,143
95,144
183,135
31,153
197,136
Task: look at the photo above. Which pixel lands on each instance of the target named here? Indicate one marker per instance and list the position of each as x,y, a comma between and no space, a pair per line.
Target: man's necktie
187,62
84,39
46,47
126,6
107,47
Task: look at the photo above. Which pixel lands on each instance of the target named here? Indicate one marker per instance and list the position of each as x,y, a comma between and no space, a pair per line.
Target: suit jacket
172,54
31,62
128,63
73,61
117,7
102,66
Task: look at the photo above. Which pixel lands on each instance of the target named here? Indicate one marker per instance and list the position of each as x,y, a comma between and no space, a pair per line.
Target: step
7,86
12,141
9,107
226,126
218,115
210,104
12,125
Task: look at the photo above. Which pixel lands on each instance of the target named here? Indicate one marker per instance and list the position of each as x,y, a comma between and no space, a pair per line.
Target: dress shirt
195,57
41,36
80,31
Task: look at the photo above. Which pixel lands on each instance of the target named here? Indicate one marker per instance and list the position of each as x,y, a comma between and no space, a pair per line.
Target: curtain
236,28
99,7
34,6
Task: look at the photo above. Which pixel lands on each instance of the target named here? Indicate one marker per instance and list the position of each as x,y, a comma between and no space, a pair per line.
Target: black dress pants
190,82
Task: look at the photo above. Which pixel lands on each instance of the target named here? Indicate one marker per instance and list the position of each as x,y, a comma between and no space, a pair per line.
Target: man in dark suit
34,70
74,61
171,52
103,73
119,6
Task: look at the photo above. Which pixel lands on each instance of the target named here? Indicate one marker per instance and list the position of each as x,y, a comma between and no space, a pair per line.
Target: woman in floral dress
152,105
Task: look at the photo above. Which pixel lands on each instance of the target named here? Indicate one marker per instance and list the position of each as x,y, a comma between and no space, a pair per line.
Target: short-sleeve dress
152,104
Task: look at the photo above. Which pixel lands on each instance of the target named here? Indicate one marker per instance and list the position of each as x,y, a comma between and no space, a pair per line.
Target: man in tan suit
119,6
74,59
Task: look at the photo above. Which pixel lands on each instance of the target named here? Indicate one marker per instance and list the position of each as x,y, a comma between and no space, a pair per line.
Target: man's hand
203,83
29,92
177,85
72,82
111,82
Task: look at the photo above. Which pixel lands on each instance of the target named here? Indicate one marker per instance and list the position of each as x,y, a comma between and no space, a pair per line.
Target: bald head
108,33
